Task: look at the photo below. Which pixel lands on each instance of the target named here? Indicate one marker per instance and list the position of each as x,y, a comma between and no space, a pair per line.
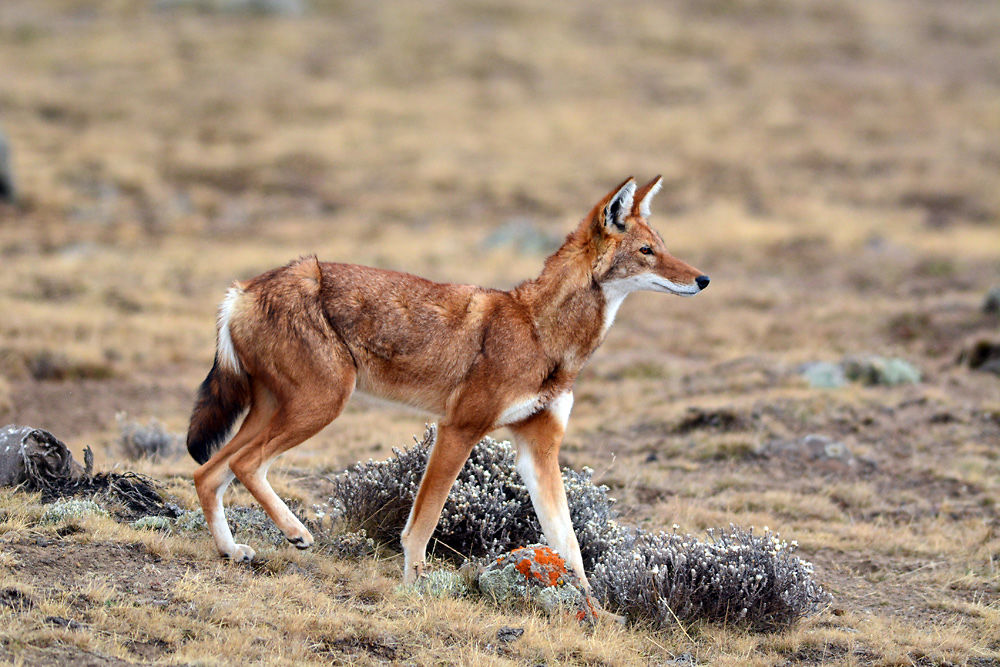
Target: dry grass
833,167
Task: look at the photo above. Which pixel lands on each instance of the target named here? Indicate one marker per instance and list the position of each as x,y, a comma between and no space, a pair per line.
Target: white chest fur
520,410
559,406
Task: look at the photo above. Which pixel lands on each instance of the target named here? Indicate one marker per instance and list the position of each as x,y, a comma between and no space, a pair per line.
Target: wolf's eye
646,250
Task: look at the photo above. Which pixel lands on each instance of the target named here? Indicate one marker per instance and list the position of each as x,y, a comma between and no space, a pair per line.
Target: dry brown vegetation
835,167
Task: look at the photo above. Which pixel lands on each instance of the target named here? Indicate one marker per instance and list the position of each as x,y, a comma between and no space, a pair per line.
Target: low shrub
733,577
147,441
68,509
487,510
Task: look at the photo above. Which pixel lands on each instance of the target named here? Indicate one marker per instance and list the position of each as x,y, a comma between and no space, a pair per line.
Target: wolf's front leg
448,455
538,439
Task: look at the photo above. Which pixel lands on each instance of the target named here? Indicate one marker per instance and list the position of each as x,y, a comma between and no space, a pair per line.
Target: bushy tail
222,397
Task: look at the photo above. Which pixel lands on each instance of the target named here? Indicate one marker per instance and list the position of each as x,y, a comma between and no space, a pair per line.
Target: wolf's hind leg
312,406
214,476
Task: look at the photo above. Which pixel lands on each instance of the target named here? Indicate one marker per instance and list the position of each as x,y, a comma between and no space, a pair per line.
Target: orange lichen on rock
543,565
587,611
538,574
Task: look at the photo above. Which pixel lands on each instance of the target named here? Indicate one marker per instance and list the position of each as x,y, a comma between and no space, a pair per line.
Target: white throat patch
615,292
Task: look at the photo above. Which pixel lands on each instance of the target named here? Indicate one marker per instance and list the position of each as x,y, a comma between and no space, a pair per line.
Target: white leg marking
219,527
550,501
519,410
225,352
412,565
555,524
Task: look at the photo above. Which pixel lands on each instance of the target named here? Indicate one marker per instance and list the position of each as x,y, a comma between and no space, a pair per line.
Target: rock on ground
991,304
824,375
33,455
537,575
7,191
876,370
982,355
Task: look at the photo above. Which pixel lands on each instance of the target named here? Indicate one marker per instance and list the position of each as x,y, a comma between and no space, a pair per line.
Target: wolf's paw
242,554
301,541
413,572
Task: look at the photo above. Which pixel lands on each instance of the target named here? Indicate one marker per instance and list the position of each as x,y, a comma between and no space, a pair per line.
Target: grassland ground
835,168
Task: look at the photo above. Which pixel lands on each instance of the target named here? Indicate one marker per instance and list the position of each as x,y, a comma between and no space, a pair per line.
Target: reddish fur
308,333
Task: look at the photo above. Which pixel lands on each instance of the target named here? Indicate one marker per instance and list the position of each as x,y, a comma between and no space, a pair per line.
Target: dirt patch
61,565
716,420
57,567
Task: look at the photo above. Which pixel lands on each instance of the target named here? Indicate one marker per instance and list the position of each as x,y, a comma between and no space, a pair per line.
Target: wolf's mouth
680,290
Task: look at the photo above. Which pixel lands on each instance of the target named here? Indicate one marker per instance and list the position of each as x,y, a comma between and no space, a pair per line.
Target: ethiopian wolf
295,342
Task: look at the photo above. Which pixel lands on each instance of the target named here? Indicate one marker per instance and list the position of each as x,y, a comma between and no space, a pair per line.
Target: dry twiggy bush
734,577
487,510
152,440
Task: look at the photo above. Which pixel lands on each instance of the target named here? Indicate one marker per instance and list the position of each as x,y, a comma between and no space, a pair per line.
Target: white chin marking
226,353
615,292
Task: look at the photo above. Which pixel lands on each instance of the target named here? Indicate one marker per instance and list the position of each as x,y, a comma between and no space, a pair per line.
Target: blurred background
835,168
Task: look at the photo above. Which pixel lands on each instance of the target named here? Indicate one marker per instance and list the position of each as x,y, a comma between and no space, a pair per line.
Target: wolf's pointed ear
645,195
614,208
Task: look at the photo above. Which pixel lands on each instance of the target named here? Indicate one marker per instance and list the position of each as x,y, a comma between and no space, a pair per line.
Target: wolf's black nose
702,281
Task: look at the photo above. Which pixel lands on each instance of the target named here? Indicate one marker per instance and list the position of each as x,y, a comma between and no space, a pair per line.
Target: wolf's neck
566,305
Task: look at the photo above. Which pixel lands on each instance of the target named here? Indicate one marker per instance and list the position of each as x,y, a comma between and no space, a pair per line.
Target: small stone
64,622
821,453
823,375
983,355
7,191
506,634
821,447
876,370
537,575
15,599
991,304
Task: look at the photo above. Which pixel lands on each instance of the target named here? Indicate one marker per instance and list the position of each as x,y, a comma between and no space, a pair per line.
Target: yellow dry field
834,166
